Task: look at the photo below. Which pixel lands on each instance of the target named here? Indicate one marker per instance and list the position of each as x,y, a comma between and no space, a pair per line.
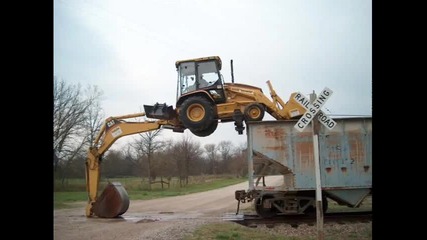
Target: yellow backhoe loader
203,100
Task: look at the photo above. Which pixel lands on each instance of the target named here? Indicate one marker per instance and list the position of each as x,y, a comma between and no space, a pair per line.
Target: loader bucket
112,202
160,111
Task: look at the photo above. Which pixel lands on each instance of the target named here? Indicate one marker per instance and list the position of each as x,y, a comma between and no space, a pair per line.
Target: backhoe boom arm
112,129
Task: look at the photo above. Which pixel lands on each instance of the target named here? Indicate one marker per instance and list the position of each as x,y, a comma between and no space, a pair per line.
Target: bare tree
187,154
146,146
238,163
94,113
114,164
225,149
211,150
168,159
68,116
74,120
131,156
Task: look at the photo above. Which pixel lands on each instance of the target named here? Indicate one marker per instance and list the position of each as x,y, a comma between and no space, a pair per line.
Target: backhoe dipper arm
113,129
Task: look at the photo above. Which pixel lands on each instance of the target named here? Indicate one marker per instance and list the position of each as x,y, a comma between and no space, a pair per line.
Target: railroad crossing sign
313,109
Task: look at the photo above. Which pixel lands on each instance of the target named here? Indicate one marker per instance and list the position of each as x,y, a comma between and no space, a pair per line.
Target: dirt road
165,218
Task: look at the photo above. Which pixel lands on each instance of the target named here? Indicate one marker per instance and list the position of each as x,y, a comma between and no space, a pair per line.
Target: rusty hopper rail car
276,148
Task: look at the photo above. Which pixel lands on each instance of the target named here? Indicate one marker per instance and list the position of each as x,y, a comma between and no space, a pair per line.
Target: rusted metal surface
345,154
112,202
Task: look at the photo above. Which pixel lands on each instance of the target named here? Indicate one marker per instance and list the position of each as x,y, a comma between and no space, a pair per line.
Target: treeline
78,117
180,158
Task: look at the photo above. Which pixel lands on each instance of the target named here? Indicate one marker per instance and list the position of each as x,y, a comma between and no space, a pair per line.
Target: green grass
66,199
234,231
366,205
74,190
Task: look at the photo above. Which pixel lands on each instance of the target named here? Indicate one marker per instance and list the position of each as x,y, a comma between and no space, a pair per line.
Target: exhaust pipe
232,71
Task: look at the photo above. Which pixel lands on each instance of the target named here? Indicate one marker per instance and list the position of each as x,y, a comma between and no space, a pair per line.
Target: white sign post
313,106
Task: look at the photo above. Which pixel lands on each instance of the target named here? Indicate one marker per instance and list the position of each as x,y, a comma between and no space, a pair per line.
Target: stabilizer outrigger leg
238,118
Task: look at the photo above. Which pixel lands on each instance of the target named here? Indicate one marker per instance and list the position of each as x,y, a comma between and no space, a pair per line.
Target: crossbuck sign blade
313,109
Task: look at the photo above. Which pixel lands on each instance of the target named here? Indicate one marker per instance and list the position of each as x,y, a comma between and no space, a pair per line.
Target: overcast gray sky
129,47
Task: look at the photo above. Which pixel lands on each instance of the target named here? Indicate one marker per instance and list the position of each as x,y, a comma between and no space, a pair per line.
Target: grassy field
234,231
74,190
219,231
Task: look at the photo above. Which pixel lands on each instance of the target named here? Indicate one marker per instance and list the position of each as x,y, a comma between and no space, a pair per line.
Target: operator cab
201,75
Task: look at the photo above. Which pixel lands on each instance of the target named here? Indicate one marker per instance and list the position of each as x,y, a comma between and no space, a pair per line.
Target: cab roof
216,58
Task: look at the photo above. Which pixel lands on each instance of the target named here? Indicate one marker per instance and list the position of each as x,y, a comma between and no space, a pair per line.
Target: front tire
197,113
208,131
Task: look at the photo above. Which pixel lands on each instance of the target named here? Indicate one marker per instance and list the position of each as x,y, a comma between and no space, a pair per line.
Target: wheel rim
254,112
196,112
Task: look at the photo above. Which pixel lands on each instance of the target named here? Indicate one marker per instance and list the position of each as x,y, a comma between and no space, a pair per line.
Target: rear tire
254,112
197,113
